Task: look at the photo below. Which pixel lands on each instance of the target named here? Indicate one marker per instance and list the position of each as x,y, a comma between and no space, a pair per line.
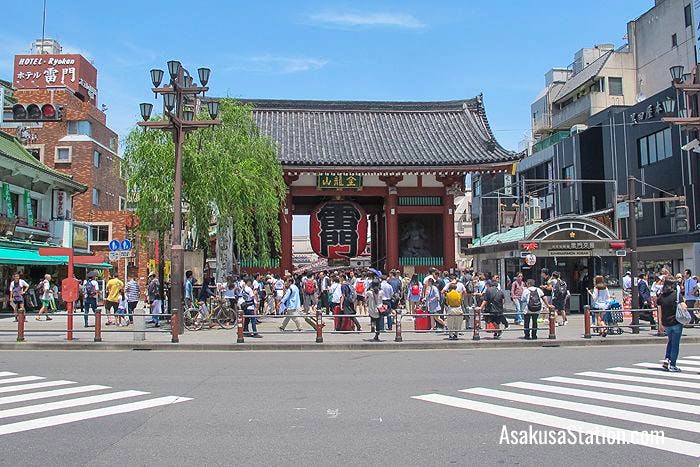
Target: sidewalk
52,334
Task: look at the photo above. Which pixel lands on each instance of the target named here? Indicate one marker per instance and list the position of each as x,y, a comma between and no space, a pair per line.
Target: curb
363,346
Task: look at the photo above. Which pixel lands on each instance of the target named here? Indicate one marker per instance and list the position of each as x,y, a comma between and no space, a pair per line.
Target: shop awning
29,257
33,258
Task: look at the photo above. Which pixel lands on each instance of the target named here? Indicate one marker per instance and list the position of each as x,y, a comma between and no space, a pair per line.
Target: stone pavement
53,332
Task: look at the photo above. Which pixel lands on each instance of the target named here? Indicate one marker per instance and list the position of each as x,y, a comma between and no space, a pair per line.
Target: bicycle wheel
192,323
226,317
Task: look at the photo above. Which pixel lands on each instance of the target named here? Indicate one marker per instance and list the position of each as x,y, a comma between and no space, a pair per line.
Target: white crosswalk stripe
648,411
63,401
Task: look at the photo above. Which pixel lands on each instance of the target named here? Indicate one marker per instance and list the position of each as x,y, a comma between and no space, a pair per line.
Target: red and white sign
44,71
338,230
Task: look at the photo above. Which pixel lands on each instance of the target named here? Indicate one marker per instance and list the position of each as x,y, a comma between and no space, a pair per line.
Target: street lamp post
179,98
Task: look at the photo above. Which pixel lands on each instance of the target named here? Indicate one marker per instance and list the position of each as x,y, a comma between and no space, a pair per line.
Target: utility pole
632,234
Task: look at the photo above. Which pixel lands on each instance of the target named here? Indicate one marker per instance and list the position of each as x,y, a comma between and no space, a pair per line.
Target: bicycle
219,313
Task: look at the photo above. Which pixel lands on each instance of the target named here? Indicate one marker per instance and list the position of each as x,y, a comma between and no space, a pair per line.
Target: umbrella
376,272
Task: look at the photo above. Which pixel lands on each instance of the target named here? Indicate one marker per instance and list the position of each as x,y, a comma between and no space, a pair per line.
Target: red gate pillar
392,229
448,229
286,228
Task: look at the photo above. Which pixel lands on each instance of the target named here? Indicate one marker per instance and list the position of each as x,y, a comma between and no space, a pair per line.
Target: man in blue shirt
691,294
291,302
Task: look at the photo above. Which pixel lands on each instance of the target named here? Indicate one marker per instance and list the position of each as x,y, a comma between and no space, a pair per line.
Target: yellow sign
339,182
80,237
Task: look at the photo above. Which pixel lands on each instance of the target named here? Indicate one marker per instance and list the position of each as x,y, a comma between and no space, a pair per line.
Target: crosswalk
640,405
27,402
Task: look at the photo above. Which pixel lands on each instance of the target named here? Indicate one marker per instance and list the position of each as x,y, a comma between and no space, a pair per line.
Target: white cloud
366,19
277,64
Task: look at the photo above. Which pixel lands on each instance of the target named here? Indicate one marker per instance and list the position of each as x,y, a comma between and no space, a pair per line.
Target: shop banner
9,211
28,208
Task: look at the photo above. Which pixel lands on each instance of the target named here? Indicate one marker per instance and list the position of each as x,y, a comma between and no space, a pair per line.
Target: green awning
33,258
29,257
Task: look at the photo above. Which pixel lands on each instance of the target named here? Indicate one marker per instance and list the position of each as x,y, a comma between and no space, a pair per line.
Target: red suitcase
422,323
346,324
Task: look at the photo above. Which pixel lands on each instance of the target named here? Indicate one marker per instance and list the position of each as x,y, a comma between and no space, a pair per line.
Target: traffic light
37,113
680,219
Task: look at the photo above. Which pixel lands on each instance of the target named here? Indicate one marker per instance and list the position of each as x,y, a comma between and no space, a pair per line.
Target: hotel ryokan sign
45,71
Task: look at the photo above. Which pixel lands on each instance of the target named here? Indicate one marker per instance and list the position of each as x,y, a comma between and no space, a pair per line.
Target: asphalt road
340,408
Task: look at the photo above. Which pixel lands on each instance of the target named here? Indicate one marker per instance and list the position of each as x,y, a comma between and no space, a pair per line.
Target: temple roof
379,134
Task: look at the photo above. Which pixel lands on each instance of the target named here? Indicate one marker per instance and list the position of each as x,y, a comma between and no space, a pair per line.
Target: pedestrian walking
348,297
91,288
492,306
667,302
18,287
133,292
375,309
533,297
516,295
645,300
154,299
310,298
290,300
432,303
121,310
455,314
600,302
560,293
114,288
247,302
46,296
691,294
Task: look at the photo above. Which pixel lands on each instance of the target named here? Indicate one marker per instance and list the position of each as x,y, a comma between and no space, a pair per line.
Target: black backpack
534,302
560,290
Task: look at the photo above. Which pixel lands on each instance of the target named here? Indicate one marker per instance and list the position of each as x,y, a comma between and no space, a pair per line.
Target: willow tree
231,176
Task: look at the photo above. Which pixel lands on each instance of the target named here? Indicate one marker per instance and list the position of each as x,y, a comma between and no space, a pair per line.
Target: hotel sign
43,71
339,182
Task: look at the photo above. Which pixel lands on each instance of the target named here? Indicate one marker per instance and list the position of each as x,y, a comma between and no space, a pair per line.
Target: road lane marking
693,357
90,414
639,379
598,410
21,379
625,387
53,393
45,407
631,400
655,370
7,373
45,384
689,362
663,443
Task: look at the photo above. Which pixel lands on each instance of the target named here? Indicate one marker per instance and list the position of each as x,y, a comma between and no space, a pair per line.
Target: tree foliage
231,175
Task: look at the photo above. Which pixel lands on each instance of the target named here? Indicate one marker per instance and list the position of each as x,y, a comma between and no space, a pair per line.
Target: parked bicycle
218,313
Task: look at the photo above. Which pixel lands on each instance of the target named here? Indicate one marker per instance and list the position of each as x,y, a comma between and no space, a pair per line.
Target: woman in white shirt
600,301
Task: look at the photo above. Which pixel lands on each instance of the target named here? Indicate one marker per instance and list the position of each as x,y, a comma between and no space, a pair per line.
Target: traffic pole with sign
70,284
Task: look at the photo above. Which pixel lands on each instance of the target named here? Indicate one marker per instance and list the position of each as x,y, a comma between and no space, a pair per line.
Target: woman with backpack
600,301
413,292
667,303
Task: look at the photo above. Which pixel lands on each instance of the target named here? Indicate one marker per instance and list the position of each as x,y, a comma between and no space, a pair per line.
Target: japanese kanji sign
48,70
339,182
338,229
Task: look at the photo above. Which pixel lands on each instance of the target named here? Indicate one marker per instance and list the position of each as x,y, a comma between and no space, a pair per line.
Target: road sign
114,245
117,255
126,244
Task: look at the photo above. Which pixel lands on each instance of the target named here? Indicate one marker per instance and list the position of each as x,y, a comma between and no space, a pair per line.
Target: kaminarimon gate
391,169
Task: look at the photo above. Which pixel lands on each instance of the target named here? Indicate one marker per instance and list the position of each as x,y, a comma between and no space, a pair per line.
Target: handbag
682,313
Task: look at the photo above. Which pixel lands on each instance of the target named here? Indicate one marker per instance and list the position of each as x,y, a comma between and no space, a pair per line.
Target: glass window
643,154
80,127
35,208
477,187
667,142
567,173
36,152
615,86
15,203
99,233
96,158
688,15
95,196
674,40
660,151
652,149
63,154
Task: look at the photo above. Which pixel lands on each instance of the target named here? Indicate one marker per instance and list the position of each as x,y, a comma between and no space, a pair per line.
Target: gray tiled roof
386,134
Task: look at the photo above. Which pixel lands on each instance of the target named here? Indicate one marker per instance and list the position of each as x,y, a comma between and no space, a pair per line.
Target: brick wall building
80,144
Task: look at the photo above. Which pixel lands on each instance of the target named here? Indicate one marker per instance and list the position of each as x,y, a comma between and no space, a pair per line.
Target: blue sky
374,50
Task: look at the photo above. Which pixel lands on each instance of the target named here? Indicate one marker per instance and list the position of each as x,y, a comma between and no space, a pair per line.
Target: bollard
239,324
139,327
20,326
98,326
174,328
398,337
319,326
659,325
552,324
586,322
477,324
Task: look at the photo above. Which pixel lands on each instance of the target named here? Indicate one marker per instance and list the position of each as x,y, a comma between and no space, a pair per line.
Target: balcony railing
24,222
550,140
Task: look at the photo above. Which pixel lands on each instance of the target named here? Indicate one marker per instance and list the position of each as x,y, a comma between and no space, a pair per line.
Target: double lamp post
181,104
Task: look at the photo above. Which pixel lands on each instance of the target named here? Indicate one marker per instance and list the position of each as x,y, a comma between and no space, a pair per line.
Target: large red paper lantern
338,229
